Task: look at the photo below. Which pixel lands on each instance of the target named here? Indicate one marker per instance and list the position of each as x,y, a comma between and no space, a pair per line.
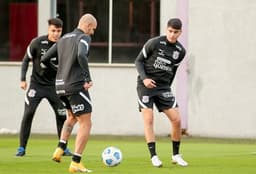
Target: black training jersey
72,51
159,60
36,49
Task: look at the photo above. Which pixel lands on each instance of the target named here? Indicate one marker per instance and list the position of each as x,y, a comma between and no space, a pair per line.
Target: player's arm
83,50
142,56
46,59
139,63
25,63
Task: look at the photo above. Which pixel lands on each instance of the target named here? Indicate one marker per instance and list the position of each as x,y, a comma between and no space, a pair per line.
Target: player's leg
32,100
175,120
65,134
60,114
82,136
148,120
145,102
81,108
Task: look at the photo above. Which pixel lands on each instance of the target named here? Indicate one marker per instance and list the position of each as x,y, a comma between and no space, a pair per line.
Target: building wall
221,86
115,109
221,69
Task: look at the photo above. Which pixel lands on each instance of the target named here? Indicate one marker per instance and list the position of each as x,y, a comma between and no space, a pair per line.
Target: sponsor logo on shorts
145,99
167,94
62,112
77,108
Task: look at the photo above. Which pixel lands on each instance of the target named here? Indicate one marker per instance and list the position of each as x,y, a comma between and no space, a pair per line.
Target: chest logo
175,55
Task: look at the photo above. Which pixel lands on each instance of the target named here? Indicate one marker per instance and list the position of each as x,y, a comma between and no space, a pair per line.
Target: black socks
152,148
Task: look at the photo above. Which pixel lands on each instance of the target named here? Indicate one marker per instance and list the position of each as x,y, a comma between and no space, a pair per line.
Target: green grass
205,156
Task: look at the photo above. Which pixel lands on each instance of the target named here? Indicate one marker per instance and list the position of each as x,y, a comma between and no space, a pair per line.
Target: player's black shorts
161,97
79,103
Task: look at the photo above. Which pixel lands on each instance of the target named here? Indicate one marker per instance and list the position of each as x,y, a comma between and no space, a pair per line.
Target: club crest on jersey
145,99
32,93
175,54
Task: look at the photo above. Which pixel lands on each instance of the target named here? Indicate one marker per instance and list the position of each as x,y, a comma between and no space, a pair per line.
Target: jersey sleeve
30,53
83,52
46,60
144,54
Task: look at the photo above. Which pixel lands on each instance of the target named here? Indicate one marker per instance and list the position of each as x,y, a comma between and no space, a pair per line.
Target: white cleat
177,159
156,161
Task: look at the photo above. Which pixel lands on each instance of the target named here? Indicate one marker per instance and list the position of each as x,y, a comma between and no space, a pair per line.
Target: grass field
205,156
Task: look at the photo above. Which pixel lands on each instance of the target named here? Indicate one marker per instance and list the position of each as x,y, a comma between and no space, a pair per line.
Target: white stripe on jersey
86,98
86,44
59,82
142,104
144,52
177,64
28,52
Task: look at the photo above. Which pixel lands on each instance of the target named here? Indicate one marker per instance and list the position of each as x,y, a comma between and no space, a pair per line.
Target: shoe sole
72,170
159,166
176,163
56,160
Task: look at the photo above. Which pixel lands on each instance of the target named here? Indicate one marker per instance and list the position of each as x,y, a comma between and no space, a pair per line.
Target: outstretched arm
46,59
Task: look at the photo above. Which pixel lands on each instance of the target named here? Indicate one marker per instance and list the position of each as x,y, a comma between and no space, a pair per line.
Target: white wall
114,98
46,10
222,61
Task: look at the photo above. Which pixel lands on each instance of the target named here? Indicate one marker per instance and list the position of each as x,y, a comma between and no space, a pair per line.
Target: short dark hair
55,21
175,23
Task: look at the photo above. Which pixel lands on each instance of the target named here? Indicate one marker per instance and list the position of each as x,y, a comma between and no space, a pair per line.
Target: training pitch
204,155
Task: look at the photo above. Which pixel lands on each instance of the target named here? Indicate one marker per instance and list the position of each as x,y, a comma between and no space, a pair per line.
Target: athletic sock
62,144
76,157
152,148
175,147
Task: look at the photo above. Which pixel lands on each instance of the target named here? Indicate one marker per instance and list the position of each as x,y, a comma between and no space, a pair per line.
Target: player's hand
23,85
149,83
87,85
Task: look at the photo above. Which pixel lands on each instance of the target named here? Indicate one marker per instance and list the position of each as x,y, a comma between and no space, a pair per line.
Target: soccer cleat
177,159
78,167
57,154
21,151
156,161
67,152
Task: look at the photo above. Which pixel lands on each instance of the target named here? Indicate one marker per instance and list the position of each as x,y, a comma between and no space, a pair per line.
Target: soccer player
72,84
42,84
157,64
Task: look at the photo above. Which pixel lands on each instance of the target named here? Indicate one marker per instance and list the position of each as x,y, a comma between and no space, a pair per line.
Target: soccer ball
111,156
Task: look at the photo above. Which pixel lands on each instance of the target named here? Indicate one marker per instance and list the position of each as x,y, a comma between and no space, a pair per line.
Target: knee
149,121
176,121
